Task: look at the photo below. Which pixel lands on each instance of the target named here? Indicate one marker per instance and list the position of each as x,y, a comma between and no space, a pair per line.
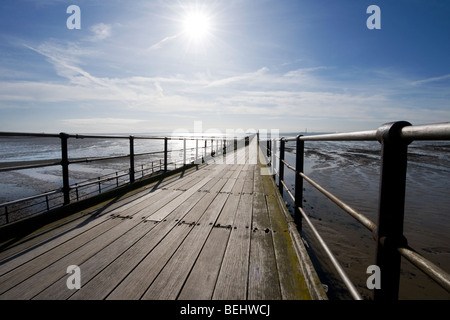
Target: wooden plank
137,282
263,274
232,279
26,270
109,277
292,282
52,271
202,279
92,266
189,181
167,209
170,280
40,242
66,233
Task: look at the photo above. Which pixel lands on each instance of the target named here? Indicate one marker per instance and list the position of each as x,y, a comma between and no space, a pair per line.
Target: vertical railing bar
196,151
65,167
299,164
131,159
389,233
281,166
184,151
46,201
165,153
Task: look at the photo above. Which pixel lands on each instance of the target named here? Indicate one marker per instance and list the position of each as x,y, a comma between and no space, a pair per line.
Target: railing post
184,152
281,166
165,153
273,151
389,233
299,161
196,151
212,149
65,167
131,159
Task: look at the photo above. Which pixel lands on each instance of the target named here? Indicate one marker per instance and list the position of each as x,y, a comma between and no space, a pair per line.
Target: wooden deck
218,231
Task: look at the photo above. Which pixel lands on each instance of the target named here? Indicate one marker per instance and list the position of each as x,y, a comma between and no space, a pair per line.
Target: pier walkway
215,231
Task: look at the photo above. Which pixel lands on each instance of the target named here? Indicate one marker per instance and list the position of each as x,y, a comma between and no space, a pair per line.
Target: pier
215,228
212,231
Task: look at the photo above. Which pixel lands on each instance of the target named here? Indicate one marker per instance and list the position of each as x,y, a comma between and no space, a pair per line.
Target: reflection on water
23,183
350,170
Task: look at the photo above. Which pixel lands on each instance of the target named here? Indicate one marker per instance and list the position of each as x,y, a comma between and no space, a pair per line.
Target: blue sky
262,64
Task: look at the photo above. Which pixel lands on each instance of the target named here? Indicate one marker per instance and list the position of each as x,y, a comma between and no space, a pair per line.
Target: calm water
28,182
350,170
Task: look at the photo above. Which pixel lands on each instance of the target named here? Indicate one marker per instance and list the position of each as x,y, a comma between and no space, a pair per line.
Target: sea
349,170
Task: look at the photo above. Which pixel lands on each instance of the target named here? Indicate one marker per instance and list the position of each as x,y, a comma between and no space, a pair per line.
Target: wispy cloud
434,79
292,97
240,78
163,42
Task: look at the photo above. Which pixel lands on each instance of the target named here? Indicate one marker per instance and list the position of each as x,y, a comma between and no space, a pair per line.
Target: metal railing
206,147
391,244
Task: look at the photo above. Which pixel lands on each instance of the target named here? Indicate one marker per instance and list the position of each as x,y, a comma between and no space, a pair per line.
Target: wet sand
353,177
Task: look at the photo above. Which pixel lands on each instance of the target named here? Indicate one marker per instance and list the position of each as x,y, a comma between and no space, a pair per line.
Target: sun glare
197,26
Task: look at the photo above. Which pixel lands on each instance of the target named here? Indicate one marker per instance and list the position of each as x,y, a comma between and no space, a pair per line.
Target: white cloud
105,125
294,96
100,31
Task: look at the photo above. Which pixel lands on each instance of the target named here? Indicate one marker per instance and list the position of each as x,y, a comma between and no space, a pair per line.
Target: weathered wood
171,278
45,277
202,279
59,232
263,276
232,280
105,281
137,282
172,205
292,281
95,264
213,232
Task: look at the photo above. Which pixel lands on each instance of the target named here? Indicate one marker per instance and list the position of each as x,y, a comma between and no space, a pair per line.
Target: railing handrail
226,142
394,139
119,136
436,131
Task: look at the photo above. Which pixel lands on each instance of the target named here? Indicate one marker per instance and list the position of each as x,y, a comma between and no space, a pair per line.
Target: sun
196,26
